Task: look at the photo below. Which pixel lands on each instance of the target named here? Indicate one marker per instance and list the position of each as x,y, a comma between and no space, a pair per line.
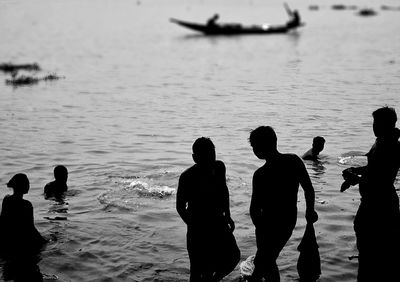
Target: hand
311,216
231,224
350,177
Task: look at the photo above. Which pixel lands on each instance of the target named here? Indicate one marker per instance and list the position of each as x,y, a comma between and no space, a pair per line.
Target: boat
239,29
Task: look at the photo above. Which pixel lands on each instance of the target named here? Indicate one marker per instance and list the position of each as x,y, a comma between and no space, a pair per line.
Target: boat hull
232,29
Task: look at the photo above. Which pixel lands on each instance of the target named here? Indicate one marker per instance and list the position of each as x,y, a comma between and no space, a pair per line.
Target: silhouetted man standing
203,203
273,208
377,222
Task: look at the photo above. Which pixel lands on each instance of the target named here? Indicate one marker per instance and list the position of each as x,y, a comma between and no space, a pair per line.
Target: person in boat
317,147
202,202
58,187
294,20
18,232
377,221
273,207
212,22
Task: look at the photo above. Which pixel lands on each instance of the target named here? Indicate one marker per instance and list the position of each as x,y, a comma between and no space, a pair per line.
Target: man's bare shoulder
188,172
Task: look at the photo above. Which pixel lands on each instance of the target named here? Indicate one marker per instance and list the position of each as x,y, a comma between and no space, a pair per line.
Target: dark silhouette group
20,241
202,202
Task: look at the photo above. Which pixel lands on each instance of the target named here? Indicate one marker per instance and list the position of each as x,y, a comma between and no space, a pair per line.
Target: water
139,90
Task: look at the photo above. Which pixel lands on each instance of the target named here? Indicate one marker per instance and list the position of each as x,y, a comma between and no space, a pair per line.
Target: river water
137,90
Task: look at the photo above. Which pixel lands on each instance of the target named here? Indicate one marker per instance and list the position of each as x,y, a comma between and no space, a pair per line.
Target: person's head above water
19,183
60,173
203,151
318,144
385,119
264,141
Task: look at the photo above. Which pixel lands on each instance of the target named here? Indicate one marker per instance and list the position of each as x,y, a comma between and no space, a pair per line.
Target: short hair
60,171
319,140
385,115
263,134
202,144
18,181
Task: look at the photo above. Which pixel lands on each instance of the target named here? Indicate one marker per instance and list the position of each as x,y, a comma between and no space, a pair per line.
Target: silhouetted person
294,17
273,207
377,222
58,187
317,147
213,20
203,203
20,240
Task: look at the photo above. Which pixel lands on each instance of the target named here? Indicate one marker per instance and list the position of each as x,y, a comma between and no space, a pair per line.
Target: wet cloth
309,263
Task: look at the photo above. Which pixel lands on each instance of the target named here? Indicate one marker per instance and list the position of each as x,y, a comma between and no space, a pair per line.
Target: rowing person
294,17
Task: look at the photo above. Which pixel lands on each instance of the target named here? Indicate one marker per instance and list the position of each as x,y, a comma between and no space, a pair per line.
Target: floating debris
12,68
343,7
24,80
313,7
390,8
365,12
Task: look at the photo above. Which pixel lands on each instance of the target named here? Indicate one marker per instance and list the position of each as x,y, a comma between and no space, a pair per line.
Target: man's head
19,183
203,151
318,144
60,173
264,141
384,121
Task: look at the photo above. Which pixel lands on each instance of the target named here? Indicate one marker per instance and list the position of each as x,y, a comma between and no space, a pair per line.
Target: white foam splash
145,190
247,266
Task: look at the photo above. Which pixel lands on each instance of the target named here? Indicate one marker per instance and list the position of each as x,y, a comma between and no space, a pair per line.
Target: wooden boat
238,29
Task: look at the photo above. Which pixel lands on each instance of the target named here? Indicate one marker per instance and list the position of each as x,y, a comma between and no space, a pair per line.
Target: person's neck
18,195
272,156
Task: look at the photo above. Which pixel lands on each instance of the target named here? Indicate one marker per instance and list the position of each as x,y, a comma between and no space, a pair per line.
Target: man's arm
226,203
181,200
309,194
255,208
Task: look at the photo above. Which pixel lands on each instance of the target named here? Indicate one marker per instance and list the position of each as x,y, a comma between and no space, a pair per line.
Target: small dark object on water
9,67
313,7
390,8
366,12
343,7
52,76
24,80
56,218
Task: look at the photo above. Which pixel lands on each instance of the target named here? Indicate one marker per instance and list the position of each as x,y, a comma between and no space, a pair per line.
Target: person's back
276,191
17,224
202,201
206,194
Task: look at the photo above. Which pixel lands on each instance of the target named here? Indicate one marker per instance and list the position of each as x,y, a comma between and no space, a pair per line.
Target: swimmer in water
58,187
18,231
202,201
317,147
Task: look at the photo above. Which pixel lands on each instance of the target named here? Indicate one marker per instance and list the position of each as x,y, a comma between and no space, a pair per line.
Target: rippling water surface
139,90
